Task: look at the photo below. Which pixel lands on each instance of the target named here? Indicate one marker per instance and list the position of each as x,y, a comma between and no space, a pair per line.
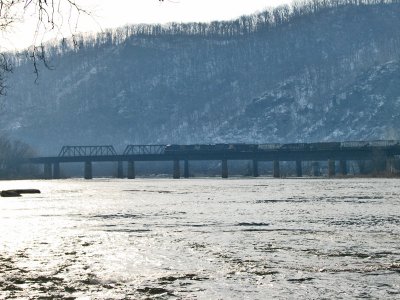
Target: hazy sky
109,14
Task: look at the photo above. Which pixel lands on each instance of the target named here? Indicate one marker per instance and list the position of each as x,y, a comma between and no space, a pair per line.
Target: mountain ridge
202,89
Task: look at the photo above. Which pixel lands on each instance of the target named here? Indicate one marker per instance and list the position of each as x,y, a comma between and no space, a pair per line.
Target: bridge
331,152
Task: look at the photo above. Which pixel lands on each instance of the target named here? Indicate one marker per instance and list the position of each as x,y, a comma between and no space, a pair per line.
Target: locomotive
211,148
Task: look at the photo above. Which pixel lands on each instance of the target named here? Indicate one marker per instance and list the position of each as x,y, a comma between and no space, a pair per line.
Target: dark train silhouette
321,146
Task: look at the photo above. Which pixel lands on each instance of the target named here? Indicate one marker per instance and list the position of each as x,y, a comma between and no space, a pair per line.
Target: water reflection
203,239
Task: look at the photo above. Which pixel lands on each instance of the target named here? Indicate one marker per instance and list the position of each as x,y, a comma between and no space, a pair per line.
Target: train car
295,147
220,147
236,147
353,144
383,143
269,147
242,147
324,146
180,148
172,148
207,148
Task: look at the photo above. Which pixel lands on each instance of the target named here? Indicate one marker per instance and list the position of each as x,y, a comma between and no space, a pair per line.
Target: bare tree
49,16
12,153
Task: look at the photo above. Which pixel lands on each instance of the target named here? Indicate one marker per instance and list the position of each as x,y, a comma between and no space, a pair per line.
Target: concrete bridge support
120,170
47,171
56,171
255,168
88,172
276,171
224,168
331,168
343,167
177,171
362,166
186,169
299,168
390,165
131,170
315,171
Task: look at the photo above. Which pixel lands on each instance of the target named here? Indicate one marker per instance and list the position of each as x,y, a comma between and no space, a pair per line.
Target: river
201,239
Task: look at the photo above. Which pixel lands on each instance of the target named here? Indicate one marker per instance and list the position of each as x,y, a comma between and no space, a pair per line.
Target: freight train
322,146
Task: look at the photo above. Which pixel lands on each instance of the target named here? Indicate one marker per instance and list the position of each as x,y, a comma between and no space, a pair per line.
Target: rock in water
27,191
10,193
17,193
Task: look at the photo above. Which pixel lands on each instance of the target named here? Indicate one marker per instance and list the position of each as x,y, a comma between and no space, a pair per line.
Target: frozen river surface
201,239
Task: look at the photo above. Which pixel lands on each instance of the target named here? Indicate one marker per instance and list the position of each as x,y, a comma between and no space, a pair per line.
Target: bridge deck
271,155
376,151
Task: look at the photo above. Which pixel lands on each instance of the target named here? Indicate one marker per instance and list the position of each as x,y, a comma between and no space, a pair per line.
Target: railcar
242,147
173,148
353,144
211,148
324,146
269,147
294,146
383,143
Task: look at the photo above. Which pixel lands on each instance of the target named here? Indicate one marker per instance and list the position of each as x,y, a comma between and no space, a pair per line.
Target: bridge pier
56,171
390,165
186,169
177,171
255,168
47,171
299,169
276,170
362,167
120,170
224,168
343,167
331,168
315,169
131,170
88,170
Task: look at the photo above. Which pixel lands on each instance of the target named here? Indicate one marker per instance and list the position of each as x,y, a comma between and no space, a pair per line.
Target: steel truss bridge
88,151
331,152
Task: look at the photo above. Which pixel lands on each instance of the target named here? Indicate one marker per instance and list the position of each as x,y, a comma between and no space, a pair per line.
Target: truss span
144,149
74,151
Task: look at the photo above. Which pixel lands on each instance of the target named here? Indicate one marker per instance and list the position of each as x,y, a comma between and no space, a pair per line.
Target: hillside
293,74
367,108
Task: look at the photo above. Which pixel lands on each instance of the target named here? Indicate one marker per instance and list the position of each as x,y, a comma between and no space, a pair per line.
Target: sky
106,14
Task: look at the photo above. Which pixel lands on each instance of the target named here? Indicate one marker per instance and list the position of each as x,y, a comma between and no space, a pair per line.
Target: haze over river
201,239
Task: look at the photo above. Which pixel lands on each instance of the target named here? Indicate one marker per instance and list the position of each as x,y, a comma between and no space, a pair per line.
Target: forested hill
322,70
